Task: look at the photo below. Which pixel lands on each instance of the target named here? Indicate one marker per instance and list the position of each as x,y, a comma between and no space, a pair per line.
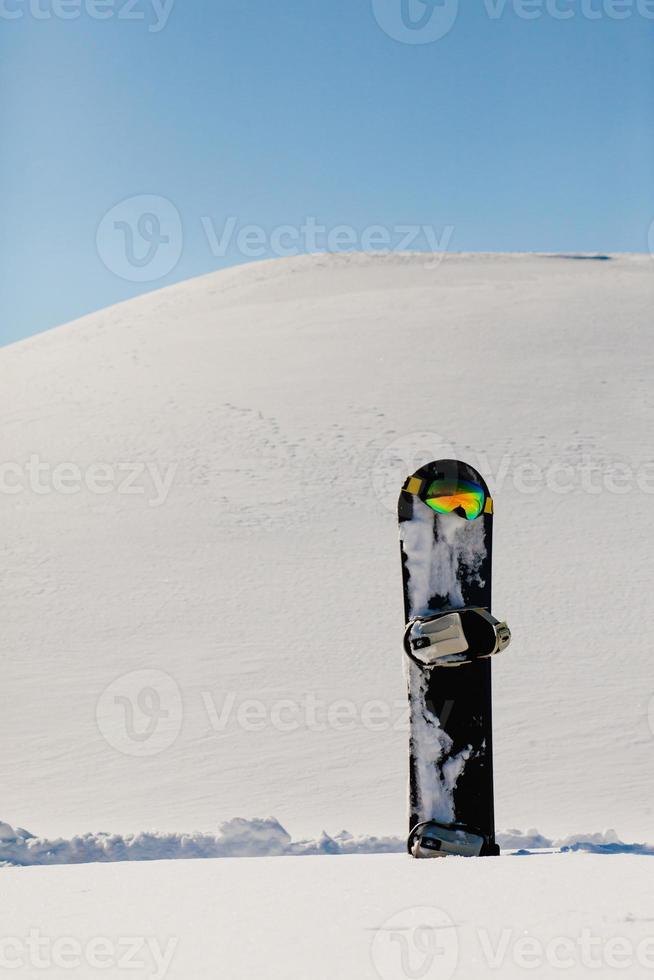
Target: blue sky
479,125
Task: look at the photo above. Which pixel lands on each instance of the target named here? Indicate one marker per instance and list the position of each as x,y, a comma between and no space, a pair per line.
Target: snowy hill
202,600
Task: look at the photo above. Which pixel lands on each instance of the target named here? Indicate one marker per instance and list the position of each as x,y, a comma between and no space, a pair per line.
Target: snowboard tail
446,566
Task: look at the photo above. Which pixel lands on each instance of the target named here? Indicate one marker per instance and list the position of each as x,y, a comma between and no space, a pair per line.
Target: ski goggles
447,495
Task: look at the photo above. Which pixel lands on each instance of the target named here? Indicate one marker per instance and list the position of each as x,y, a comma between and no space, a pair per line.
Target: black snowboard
446,564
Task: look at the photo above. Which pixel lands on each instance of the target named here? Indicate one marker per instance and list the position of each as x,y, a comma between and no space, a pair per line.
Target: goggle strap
413,485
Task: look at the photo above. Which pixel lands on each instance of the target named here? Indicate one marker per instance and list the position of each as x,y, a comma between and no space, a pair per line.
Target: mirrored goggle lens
446,496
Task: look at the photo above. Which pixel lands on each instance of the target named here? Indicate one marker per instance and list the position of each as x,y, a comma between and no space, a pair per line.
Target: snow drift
240,838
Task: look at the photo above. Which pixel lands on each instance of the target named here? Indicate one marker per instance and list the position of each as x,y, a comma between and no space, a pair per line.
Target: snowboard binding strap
431,839
454,637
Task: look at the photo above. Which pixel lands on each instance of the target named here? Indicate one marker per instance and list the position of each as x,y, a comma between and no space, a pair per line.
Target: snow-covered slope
269,414
360,918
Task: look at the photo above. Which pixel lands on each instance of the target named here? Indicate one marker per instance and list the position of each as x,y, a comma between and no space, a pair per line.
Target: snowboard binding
454,637
431,840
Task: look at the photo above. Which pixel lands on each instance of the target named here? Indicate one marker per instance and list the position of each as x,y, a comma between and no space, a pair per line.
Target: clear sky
480,125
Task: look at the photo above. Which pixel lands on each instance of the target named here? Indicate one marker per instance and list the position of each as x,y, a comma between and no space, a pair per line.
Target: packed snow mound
202,609
240,838
236,838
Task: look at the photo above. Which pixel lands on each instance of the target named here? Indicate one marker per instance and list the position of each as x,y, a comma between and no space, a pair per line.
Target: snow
236,838
433,564
365,917
202,614
289,400
258,838
435,790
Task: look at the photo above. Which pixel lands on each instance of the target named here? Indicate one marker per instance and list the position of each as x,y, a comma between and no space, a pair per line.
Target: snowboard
446,565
